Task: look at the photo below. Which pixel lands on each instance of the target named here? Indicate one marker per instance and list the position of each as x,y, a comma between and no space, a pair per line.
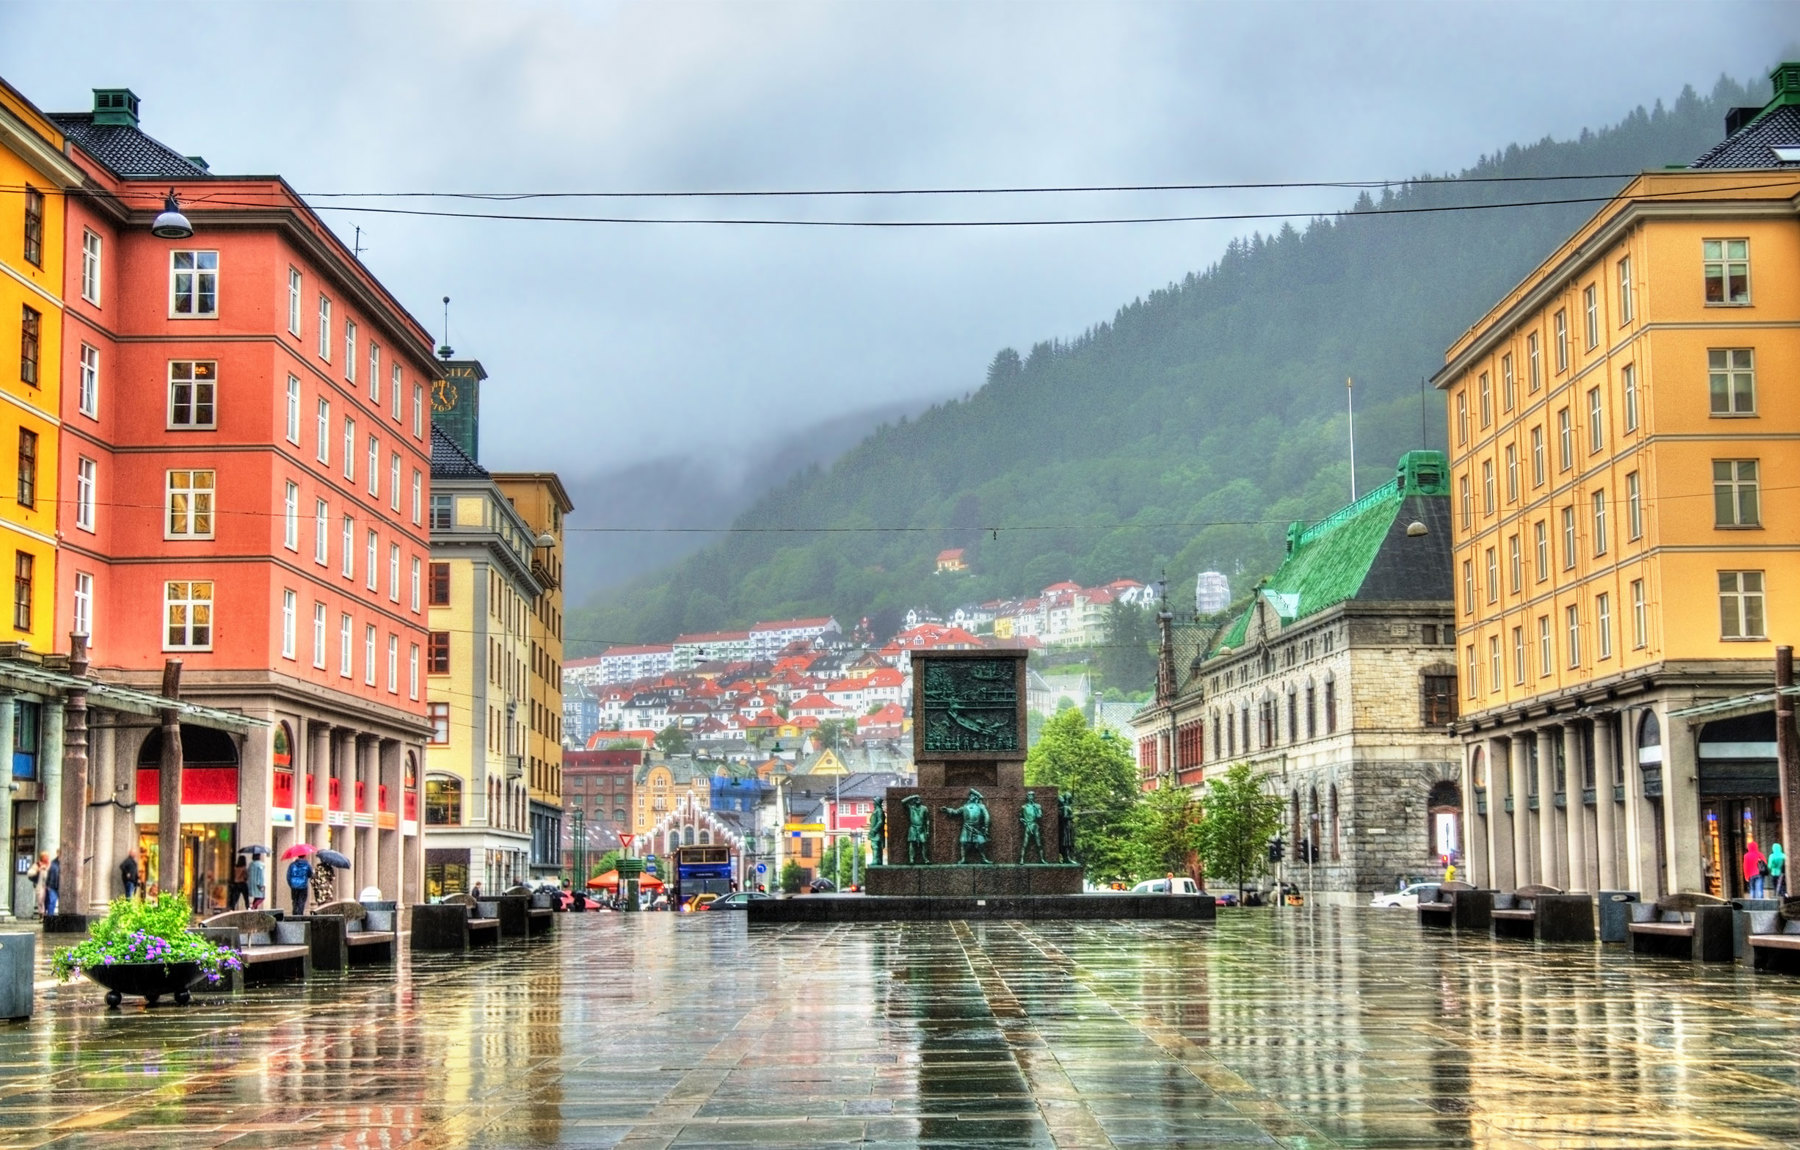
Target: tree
790,877
1238,818
1097,771
673,740
1167,832
836,733
608,861
840,864
1127,662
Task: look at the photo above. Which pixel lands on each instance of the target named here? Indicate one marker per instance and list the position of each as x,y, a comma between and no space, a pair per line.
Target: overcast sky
612,343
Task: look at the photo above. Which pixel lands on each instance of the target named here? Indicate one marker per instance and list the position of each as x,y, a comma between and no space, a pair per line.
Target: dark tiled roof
1753,146
125,149
449,461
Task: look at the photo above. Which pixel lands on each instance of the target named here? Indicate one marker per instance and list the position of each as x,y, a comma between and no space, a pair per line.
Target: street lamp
171,224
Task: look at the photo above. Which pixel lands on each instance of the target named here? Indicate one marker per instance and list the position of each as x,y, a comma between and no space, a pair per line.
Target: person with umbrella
299,874
256,877
326,864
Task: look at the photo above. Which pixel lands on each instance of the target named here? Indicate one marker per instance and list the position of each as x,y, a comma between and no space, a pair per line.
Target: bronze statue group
976,829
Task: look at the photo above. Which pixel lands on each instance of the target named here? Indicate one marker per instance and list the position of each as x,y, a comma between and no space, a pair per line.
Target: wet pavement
1323,1027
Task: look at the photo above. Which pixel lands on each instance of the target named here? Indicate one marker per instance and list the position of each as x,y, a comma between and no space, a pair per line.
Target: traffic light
1303,851
1275,850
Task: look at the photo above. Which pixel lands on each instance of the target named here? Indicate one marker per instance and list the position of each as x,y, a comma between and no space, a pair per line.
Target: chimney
116,106
1784,91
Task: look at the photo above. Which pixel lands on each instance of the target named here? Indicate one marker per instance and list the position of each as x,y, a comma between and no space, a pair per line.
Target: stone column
387,842
1523,863
103,816
1575,819
8,710
1546,820
121,748
50,781
255,784
1605,830
1681,802
321,748
1476,862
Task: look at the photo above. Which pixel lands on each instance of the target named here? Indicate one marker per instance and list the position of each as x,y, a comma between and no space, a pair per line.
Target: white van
1167,886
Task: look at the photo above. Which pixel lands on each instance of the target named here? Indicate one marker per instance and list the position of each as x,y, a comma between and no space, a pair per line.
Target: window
1634,506
1514,563
28,448
1561,324
187,615
398,385
1518,638
24,569
375,372
90,266
293,410
393,664
369,654
1512,474
350,449
34,226
1487,486
440,512
394,482
418,412
1741,604
350,350
321,532
1509,385
1727,264
290,517
349,547
1640,615
393,572
1628,381
324,329
440,585
88,399
1534,360
1565,441
439,714
1598,500
414,597
322,429
1494,671
371,562
1603,625
1493,576
86,477
294,300
1469,586
1732,380
418,496
193,284
344,646
438,659
412,671
191,391
190,503
1572,627
1590,306
1568,533
1468,502
288,607
1487,401
319,635
1462,417
1596,421
1474,684
1625,300
1537,457
1735,502
1546,653
30,332
84,604
374,466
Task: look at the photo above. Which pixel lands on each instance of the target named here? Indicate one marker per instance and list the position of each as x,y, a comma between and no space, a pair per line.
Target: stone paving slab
1314,1028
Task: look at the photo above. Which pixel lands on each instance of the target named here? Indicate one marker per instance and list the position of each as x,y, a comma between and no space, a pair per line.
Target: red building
597,801
245,448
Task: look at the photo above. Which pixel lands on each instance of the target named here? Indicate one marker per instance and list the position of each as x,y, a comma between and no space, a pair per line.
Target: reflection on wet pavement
1316,1028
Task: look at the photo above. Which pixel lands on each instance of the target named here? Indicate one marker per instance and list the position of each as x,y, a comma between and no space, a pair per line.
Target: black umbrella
333,859
254,850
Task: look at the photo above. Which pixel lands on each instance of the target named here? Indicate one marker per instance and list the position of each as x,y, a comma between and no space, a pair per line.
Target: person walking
36,876
1756,869
52,885
1778,870
240,883
129,875
256,882
299,876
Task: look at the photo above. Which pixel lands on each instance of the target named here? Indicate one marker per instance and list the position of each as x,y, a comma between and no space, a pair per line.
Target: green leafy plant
147,931
791,875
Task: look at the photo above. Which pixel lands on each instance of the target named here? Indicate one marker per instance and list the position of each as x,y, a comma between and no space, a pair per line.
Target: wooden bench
523,914
1544,913
348,932
274,950
1686,924
1775,938
1458,905
455,924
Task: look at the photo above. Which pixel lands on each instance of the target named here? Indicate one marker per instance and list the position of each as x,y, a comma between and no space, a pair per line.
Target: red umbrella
299,849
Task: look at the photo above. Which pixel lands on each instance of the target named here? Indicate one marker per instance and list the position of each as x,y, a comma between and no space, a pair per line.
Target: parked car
1409,898
1167,886
737,900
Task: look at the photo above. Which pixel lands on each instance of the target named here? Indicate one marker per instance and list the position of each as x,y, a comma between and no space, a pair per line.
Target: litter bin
1615,914
18,970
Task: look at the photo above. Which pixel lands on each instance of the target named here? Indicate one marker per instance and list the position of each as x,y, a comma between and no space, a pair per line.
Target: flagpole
1350,393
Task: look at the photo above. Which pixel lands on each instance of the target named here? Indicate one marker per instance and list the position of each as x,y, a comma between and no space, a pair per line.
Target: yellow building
478,826
1615,422
540,500
34,172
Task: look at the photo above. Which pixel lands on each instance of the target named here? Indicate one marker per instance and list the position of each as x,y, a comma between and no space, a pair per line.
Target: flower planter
146,980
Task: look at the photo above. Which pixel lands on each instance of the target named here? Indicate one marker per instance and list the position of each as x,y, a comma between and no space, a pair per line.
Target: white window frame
87,479
1572,631
1474,671
1546,649
194,598
372,557
416,575
1537,457
294,293
1496,673
83,621
325,327
1640,616
322,429
1492,557
1717,254
394,480
319,634
196,284
346,647
349,545
418,411
196,389
1509,383
1534,354
1560,326
350,350
321,533
1739,597
1603,626
1598,502
418,496
201,502
293,410
1634,505
1628,384
290,517
1626,303
290,607
1568,534
1565,439
399,389
393,664
1518,638
1596,420
88,401
375,373
1730,365
412,672
369,640
1515,563
91,251
1743,476
393,572
374,462
350,449
1590,303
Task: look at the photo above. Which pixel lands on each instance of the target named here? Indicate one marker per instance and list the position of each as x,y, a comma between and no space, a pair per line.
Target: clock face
443,395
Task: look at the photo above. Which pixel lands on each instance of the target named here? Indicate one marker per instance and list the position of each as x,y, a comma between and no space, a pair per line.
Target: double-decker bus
701,870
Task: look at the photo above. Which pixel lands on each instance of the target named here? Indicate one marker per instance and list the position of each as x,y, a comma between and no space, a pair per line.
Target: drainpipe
1784,749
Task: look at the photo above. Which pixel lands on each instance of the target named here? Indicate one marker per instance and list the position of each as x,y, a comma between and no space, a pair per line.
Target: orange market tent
610,881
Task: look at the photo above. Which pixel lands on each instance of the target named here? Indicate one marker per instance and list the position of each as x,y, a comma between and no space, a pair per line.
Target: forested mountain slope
1185,433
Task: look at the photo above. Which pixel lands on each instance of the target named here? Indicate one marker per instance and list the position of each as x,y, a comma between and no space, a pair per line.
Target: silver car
1408,897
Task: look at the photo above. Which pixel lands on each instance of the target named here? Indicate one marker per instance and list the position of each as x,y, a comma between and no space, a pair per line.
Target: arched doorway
1444,809
209,811
1738,797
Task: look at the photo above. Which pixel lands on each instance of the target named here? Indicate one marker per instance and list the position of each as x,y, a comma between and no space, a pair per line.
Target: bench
1775,938
525,913
349,932
455,924
1544,913
544,905
1458,905
273,949
1686,924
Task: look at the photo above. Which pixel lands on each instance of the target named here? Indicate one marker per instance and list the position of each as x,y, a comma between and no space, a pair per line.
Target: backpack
298,874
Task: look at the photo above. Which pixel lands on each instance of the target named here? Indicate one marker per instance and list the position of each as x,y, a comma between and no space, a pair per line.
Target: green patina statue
918,829
877,835
1065,817
1031,817
975,825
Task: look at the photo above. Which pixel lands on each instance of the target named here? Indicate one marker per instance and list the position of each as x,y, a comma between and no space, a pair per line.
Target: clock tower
456,402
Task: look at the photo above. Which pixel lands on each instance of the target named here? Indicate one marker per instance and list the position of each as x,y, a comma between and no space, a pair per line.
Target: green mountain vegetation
1182,435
